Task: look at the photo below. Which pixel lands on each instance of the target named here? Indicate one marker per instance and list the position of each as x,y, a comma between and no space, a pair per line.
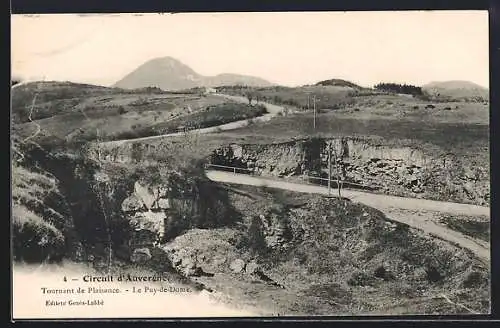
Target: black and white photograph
250,164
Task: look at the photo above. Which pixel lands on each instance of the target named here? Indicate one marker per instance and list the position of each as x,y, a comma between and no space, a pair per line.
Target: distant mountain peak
169,73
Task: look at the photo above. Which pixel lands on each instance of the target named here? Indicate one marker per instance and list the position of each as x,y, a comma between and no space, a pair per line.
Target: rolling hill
338,83
457,90
169,73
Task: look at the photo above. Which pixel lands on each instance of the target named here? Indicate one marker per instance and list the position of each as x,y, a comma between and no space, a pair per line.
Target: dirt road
272,110
417,213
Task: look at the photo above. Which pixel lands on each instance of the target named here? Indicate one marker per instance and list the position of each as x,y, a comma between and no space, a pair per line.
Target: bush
383,273
474,279
361,278
35,240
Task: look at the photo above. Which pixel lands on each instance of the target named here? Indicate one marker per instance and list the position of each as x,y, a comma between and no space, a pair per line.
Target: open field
75,113
333,97
446,134
326,96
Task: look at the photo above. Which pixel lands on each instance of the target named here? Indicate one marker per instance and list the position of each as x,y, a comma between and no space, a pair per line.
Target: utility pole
338,173
314,107
329,169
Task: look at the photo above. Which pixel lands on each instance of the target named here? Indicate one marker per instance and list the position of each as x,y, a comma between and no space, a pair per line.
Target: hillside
57,97
169,73
457,90
51,113
338,83
149,204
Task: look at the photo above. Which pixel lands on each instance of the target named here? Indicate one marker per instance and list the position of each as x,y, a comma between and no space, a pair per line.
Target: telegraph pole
314,107
338,173
329,169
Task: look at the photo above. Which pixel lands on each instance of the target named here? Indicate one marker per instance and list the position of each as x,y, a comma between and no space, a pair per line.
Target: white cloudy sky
286,48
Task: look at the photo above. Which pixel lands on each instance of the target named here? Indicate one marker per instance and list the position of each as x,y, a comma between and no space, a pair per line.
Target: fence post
234,169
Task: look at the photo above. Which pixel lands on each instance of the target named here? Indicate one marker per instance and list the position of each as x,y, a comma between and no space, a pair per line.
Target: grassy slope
455,127
331,258
461,90
326,96
72,112
38,229
210,116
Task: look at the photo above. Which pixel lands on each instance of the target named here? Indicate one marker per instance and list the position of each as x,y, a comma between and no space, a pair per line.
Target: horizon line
274,84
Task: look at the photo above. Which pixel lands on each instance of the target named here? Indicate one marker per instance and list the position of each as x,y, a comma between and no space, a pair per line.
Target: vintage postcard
250,164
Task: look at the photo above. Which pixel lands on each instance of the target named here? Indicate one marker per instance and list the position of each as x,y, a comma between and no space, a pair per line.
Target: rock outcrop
403,171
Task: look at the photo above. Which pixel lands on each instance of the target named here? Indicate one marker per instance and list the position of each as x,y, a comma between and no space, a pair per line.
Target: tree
399,88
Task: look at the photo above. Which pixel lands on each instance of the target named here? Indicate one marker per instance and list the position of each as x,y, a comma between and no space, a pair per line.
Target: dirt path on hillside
417,213
272,110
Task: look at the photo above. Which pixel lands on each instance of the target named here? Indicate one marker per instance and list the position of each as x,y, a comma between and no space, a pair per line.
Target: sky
291,48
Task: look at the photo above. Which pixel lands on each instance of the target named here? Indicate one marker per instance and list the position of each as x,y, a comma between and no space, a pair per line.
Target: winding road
272,110
417,213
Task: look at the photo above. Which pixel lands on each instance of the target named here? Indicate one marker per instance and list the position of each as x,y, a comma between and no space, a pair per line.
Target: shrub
474,279
383,273
34,239
361,278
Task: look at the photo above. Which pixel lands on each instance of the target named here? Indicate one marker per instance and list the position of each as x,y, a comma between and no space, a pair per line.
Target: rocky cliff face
150,205
111,211
361,164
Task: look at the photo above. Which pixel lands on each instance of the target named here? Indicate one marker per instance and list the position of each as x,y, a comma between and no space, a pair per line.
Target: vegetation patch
475,227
